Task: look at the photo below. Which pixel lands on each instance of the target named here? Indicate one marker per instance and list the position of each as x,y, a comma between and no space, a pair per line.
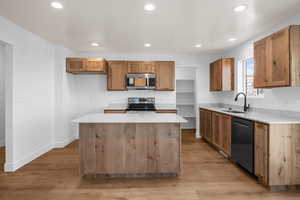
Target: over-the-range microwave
141,81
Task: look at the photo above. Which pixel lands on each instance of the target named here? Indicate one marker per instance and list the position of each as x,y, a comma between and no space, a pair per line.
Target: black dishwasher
242,143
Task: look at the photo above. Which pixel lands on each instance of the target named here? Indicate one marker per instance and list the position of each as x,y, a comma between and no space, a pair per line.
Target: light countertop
124,107
130,117
259,115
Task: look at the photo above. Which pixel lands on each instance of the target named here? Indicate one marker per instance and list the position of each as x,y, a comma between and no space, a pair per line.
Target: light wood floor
206,175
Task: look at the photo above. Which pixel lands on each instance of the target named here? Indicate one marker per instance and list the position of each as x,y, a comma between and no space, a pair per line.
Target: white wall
66,101
2,97
32,90
278,98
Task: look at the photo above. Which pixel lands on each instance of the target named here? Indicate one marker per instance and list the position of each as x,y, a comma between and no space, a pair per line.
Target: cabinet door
134,67
148,67
116,78
216,132
261,152
203,123
76,65
137,67
216,76
165,76
96,65
279,68
225,128
227,74
261,63
208,130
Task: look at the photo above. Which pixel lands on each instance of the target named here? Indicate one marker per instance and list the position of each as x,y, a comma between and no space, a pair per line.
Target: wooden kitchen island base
129,149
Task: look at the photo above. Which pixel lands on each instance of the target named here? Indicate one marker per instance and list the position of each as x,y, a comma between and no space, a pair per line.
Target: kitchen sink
234,111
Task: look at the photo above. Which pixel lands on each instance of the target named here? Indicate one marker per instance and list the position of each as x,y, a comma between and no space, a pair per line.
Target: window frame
243,87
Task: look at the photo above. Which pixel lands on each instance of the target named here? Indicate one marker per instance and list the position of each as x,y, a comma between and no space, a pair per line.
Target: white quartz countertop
130,117
261,115
124,106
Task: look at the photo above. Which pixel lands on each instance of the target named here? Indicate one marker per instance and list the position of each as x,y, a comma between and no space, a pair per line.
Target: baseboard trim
11,167
65,143
2,142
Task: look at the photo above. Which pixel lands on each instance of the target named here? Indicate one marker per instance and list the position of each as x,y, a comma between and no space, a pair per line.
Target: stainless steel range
141,104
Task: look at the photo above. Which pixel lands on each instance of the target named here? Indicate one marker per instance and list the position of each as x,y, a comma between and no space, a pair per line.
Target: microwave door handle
147,82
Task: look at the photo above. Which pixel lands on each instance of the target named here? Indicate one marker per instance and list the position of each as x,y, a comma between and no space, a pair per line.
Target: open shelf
185,95
187,111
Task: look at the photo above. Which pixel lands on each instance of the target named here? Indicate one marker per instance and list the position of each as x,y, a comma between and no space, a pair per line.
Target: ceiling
124,26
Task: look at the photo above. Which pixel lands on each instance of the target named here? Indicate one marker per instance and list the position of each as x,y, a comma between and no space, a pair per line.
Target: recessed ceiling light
149,7
198,45
95,44
232,39
57,5
240,8
147,45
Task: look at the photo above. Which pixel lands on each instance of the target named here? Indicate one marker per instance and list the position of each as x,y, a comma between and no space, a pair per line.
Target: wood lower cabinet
222,75
225,128
276,148
277,59
261,146
116,76
216,129
165,75
141,67
205,125
86,65
221,132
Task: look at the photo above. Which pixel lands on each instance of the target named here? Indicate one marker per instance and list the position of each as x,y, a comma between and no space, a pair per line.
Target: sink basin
234,111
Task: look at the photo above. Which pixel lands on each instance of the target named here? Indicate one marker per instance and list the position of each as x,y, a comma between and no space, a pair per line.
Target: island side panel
130,149
284,155
87,149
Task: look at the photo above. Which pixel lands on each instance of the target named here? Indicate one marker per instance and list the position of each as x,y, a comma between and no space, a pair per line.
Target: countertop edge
247,117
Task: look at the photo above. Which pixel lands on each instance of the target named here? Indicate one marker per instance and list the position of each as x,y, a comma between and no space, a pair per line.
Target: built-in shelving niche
185,95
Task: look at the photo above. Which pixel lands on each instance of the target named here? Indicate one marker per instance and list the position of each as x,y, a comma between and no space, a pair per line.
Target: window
246,78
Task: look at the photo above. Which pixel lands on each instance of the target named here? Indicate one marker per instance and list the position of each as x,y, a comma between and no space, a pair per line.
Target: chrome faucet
246,107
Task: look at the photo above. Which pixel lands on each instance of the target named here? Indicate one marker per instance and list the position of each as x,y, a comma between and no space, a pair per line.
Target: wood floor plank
205,175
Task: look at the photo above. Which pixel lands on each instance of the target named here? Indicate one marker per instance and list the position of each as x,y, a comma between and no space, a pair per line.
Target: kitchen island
130,145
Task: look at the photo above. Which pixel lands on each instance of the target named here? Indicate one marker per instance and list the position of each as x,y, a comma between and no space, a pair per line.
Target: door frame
8,91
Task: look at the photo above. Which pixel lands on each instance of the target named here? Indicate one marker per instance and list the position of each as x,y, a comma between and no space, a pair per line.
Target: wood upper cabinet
141,67
165,75
279,70
261,139
116,76
260,57
277,59
222,75
86,65
216,76
205,125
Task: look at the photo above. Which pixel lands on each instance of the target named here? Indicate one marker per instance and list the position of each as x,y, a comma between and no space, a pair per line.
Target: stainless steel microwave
141,81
